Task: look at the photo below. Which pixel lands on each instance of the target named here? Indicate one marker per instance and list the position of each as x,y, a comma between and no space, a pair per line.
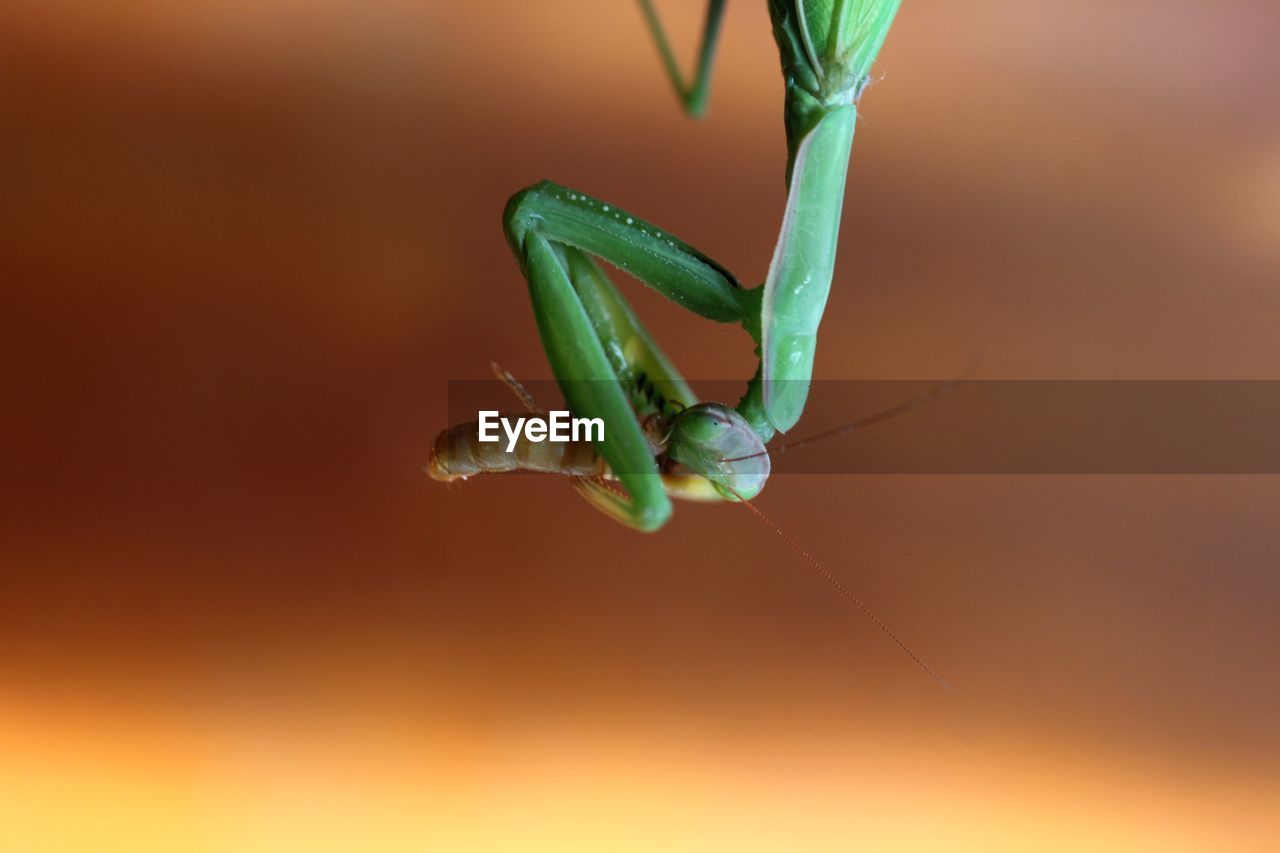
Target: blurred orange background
244,247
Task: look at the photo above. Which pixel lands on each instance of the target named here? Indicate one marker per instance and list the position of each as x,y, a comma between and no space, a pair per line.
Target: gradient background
244,245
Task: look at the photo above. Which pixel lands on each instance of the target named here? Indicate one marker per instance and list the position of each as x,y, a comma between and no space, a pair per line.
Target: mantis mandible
660,441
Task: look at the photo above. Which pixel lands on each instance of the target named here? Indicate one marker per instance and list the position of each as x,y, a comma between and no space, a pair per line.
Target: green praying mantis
660,441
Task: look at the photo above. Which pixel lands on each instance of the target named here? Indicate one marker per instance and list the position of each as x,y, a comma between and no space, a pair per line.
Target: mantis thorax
827,48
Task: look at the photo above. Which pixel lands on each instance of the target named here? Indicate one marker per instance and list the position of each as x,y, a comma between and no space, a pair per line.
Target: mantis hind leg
693,96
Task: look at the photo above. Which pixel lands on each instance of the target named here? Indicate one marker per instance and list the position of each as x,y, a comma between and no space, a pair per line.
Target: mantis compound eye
716,442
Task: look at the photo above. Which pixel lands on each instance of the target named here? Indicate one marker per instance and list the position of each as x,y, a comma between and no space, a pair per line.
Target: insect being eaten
659,440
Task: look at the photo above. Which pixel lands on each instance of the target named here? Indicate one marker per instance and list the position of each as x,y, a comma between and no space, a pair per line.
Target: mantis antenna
844,590
942,391
946,389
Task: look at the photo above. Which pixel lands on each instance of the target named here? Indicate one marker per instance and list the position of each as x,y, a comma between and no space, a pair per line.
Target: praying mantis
660,441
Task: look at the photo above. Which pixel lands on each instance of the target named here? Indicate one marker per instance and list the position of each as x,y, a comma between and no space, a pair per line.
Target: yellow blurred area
244,246
357,783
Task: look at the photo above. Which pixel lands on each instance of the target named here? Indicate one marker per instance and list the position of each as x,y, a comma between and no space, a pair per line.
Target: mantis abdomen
458,453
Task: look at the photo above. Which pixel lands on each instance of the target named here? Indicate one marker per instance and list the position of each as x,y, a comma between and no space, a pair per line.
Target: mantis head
717,443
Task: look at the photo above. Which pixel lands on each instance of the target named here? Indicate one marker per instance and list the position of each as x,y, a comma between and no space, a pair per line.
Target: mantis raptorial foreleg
661,260
607,364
